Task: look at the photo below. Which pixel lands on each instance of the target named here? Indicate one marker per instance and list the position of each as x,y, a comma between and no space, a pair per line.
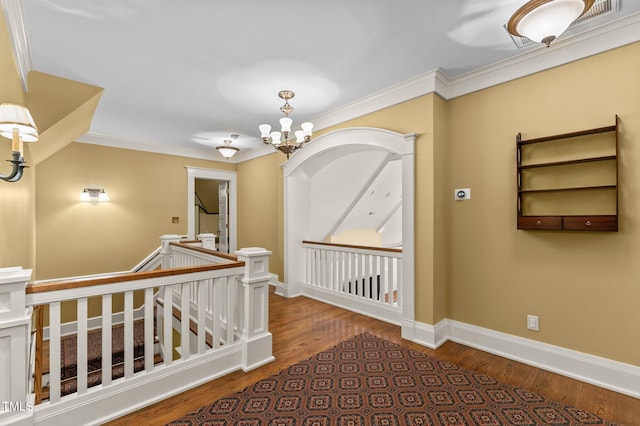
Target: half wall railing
360,278
197,315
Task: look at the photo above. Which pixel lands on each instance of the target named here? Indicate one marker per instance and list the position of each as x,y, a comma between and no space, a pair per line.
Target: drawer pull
539,223
588,223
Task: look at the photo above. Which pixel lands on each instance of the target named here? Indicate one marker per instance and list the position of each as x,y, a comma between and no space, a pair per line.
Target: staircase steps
68,353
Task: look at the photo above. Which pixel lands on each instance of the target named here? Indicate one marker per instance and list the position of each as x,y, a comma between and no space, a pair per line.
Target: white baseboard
603,372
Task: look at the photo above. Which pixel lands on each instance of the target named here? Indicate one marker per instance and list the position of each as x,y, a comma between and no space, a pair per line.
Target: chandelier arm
16,169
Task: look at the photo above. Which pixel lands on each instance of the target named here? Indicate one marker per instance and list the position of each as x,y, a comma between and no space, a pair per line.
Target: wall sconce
93,194
16,124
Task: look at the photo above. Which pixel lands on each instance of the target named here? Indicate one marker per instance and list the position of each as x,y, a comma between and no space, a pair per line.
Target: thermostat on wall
462,194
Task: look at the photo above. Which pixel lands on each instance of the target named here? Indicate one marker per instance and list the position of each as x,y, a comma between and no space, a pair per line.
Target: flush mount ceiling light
280,140
16,124
226,150
544,20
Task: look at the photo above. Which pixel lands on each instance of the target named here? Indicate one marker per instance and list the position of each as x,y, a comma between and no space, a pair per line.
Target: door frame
194,173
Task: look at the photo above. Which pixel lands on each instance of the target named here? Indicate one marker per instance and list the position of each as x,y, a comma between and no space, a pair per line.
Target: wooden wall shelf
569,181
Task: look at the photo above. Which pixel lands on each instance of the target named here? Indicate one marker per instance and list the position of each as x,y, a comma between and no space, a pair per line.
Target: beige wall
584,286
472,265
17,205
260,207
146,191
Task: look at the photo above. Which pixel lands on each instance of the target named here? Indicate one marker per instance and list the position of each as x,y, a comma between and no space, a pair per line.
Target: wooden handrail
66,285
205,250
392,250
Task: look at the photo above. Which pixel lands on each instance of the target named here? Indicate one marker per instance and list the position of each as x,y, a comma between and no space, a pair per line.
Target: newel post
165,249
208,241
254,310
16,402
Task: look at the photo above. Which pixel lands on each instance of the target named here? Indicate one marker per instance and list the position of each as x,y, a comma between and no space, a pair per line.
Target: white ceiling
183,75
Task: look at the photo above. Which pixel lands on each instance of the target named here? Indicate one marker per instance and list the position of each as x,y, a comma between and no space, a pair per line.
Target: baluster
368,282
106,339
386,277
167,315
149,359
54,352
128,334
307,266
232,286
185,331
203,285
397,285
39,325
215,313
81,347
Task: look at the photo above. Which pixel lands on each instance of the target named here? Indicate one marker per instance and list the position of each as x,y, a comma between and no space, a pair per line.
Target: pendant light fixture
281,140
545,20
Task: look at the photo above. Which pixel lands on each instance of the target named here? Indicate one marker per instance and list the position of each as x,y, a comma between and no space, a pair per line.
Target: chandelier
544,20
281,140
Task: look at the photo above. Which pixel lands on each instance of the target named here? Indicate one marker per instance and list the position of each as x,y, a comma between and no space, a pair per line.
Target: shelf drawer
591,223
539,222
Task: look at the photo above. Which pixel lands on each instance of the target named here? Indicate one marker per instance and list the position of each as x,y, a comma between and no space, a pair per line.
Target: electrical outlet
462,194
175,219
533,323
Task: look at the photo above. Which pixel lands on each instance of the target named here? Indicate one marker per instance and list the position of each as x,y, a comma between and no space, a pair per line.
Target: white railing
219,311
365,279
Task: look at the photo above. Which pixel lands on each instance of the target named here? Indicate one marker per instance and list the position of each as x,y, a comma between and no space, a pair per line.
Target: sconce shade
544,20
94,194
13,116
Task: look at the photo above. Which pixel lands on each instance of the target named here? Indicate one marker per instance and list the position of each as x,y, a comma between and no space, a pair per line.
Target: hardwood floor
302,327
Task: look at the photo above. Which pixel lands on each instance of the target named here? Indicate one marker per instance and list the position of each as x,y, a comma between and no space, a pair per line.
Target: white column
254,304
165,250
208,241
16,404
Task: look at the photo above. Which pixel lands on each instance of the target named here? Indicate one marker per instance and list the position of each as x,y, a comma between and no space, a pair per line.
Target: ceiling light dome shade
544,20
226,150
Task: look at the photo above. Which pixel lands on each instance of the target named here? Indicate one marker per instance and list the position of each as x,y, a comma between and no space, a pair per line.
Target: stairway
68,354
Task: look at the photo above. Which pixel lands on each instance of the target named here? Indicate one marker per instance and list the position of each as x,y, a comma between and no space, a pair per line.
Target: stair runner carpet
69,350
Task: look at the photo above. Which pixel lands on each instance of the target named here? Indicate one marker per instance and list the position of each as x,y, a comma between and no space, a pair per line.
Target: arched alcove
299,173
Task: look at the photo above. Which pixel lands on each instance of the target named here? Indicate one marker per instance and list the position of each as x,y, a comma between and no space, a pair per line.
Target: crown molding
579,46
136,145
14,15
536,59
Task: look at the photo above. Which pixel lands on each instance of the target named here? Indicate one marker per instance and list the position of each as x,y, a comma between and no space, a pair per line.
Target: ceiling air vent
599,9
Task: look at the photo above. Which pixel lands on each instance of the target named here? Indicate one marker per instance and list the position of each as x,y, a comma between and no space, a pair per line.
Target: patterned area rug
367,380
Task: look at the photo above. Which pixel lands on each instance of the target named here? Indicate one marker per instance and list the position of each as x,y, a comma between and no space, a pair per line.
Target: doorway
215,192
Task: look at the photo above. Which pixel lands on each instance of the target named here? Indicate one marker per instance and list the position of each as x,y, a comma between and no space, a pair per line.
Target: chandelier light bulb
307,127
264,130
275,138
285,124
299,136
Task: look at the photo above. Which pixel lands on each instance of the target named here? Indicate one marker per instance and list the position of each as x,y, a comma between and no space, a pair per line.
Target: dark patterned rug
367,380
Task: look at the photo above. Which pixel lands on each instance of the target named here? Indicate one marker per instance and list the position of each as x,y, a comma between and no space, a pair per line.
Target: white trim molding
194,173
606,373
